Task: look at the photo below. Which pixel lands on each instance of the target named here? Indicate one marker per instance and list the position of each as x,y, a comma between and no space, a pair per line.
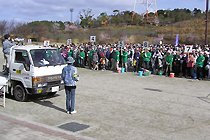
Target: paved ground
115,107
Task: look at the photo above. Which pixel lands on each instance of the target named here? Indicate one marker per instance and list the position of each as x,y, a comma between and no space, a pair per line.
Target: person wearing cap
76,55
157,61
70,77
125,59
103,61
61,49
70,52
190,64
146,58
207,60
199,63
112,54
65,52
82,58
136,60
169,61
95,60
176,63
7,44
130,56
90,56
108,57
116,58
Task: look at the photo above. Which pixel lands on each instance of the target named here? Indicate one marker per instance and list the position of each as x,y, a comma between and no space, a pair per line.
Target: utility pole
71,10
207,22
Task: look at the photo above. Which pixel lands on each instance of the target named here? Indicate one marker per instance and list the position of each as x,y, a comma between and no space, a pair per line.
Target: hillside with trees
121,25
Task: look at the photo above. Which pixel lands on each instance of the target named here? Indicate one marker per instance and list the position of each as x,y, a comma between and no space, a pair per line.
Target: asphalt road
113,106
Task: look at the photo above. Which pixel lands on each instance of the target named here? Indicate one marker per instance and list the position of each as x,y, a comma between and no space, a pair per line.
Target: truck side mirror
27,65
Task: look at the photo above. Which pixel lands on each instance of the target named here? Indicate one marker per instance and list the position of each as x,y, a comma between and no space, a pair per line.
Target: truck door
20,68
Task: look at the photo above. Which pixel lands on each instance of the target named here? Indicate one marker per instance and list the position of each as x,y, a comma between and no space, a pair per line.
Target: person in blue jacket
136,60
70,77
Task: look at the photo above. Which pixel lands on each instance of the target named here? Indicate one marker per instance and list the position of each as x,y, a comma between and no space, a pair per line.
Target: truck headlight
41,85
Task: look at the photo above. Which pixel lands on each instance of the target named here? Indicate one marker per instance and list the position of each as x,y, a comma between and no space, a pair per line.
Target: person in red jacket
190,64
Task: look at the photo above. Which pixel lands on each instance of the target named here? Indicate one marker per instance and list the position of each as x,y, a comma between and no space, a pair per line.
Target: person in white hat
82,58
70,77
169,60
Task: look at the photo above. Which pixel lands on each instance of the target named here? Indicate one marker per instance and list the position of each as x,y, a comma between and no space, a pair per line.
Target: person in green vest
125,59
169,61
117,58
82,58
146,58
199,62
90,57
70,53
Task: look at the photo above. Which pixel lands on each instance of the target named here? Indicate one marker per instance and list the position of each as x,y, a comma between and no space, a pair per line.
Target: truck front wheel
20,94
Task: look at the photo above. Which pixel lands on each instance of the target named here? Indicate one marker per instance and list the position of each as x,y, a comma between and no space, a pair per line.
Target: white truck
34,70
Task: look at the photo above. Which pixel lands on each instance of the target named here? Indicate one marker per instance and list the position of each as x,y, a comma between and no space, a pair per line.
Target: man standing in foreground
70,77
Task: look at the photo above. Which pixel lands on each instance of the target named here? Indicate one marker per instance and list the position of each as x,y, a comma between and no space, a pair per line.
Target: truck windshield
46,57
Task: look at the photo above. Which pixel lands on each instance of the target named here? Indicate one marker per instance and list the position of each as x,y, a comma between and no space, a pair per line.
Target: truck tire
19,93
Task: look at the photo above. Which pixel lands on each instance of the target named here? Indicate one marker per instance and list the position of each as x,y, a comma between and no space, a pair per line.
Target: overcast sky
59,10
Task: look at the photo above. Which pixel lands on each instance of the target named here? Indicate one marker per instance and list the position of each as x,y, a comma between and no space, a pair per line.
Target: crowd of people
159,59
164,59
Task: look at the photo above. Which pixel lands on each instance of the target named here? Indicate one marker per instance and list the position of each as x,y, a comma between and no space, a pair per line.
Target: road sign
92,38
46,43
121,43
146,44
68,41
188,48
29,41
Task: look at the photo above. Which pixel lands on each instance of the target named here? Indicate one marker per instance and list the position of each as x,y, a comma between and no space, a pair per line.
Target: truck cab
35,70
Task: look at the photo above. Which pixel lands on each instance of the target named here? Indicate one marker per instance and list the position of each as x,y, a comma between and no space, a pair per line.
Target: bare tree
55,28
40,31
22,30
10,26
3,27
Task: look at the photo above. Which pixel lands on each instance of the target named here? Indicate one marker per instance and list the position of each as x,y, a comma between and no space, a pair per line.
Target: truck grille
53,83
51,80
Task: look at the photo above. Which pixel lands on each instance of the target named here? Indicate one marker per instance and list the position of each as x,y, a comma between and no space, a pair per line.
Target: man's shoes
73,112
67,112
